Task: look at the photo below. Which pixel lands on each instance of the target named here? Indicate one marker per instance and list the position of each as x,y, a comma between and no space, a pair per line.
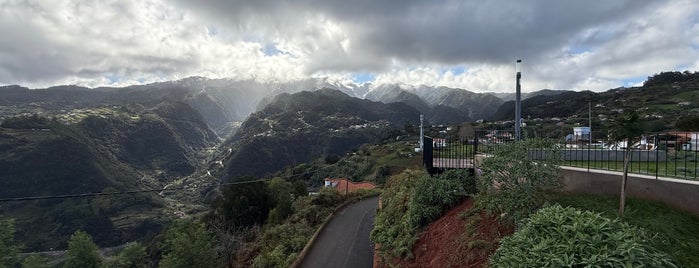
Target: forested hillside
295,128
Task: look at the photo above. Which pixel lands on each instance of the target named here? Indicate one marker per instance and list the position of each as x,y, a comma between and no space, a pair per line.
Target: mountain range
294,128
195,132
108,150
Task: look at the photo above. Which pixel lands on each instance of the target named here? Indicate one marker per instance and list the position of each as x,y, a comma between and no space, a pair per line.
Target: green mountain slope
295,128
129,149
661,101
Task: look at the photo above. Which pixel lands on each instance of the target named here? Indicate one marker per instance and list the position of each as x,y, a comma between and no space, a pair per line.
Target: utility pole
518,102
422,134
589,116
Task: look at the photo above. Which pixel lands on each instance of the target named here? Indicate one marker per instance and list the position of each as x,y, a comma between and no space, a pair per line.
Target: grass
688,95
678,231
398,156
680,167
683,165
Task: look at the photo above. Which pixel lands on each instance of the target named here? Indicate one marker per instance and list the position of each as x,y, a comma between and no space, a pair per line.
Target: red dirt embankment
456,240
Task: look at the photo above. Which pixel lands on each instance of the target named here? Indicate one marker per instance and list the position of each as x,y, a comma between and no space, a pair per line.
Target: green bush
133,255
412,200
327,197
34,121
282,243
566,237
244,205
188,244
8,249
82,252
467,182
392,228
35,261
513,185
432,197
280,191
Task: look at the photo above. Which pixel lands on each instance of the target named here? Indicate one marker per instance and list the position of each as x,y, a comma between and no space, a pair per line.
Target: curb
377,262
310,243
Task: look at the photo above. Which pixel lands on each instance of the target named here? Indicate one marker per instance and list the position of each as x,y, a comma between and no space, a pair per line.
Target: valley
179,143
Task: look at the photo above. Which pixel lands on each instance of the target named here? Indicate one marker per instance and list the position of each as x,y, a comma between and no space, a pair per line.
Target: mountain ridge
296,127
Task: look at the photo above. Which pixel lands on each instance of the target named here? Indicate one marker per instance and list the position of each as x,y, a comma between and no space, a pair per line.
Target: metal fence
449,153
668,154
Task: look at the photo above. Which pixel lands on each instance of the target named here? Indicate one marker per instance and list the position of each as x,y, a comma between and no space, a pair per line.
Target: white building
581,133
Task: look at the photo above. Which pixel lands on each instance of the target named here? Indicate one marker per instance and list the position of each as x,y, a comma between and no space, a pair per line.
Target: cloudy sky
471,44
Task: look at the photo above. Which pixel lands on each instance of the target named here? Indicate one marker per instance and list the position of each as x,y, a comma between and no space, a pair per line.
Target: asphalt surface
345,240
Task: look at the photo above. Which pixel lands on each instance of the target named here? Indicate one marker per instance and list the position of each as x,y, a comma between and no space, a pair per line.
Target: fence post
475,144
427,153
657,154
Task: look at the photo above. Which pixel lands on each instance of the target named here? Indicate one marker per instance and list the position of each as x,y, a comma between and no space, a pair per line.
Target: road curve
344,242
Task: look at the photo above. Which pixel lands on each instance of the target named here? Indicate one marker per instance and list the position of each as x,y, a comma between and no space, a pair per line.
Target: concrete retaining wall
682,194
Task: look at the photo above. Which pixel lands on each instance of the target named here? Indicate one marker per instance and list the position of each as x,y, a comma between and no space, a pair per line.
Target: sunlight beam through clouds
468,44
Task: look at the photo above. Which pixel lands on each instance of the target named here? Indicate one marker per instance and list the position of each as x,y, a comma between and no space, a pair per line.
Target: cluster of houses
681,141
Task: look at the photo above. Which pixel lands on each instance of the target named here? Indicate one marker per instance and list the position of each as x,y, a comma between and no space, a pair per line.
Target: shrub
35,261
188,244
412,200
467,183
244,205
328,197
282,243
432,197
34,121
392,228
513,184
132,256
566,237
82,252
8,249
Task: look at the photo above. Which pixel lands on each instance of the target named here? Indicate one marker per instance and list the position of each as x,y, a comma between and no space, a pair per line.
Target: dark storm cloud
565,44
435,31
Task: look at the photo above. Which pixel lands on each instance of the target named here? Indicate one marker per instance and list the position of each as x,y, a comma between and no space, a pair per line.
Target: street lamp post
518,102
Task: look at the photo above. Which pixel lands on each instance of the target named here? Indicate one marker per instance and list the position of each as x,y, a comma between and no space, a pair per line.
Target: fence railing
669,154
452,152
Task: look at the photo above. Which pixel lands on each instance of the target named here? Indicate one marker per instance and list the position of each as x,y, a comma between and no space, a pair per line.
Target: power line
29,198
45,197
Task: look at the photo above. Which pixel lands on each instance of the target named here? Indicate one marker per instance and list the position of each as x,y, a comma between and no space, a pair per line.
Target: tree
626,127
244,205
226,238
281,196
188,245
299,189
35,261
8,250
132,256
82,252
688,123
516,180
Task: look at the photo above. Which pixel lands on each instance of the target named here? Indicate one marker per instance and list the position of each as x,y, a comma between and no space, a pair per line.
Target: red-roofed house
344,185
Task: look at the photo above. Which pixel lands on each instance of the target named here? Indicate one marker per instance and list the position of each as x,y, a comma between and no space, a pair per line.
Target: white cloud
565,45
84,42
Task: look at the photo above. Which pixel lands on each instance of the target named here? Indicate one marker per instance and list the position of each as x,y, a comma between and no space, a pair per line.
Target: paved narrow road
345,240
